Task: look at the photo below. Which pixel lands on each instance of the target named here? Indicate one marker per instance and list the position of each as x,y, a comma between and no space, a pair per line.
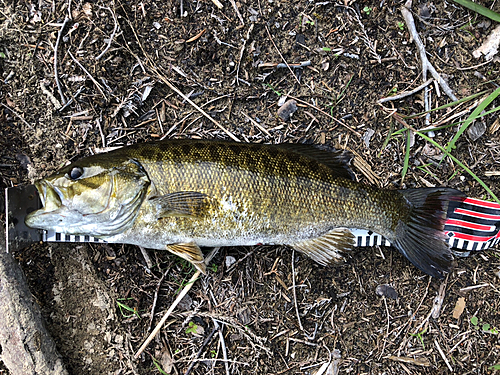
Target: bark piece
27,348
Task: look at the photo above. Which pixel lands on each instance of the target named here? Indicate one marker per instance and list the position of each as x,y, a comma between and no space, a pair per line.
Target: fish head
95,196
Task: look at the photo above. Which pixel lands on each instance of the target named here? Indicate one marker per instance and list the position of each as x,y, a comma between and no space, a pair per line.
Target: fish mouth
49,195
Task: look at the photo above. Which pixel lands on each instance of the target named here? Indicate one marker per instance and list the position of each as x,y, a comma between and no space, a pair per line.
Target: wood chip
459,308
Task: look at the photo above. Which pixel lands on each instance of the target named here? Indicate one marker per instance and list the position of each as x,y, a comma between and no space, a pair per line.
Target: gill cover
91,197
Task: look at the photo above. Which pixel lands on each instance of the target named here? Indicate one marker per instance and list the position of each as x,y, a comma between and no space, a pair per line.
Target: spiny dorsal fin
182,203
327,248
191,252
336,160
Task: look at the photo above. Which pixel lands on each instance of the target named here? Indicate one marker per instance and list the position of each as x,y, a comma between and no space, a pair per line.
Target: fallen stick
426,65
26,346
406,93
167,314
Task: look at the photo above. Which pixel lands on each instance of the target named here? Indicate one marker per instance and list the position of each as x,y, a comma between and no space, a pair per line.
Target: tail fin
421,237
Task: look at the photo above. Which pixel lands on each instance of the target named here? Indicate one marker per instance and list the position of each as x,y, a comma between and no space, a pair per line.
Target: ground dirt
97,299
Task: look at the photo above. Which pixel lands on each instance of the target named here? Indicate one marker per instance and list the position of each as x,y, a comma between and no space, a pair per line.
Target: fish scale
191,193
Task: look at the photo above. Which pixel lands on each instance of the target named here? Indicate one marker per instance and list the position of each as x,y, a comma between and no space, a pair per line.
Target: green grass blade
444,106
462,165
407,155
474,115
479,9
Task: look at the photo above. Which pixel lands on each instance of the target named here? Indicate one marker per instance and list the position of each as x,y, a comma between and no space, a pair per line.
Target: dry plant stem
17,115
294,292
179,92
282,58
233,3
218,4
250,29
56,73
443,355
181,295
255,123
406,93
162,77
224,350
112,34
88,75
426,65
326,114
155,299
207,340
145,254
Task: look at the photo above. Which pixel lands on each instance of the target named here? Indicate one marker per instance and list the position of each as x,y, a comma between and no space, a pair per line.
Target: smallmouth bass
178,195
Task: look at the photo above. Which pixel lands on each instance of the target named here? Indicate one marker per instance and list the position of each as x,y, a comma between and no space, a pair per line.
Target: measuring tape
472,226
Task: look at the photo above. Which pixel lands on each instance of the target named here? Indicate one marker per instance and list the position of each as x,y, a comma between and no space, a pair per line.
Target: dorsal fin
336,160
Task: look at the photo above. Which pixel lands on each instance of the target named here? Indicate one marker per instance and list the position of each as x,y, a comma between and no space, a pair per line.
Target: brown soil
79,287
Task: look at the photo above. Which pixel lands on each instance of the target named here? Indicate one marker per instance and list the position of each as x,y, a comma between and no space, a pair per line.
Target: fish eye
75,173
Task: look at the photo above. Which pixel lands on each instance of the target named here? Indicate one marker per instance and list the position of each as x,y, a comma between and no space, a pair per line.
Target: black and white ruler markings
473,226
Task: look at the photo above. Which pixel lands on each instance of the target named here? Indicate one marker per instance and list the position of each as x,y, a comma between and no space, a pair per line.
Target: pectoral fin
327,248
182,203
191,252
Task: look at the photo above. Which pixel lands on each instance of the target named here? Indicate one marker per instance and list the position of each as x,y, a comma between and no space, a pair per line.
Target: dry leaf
459,308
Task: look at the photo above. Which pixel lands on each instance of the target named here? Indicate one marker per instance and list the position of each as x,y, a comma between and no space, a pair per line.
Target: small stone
387,291
476,130
230,261
186,302
287,109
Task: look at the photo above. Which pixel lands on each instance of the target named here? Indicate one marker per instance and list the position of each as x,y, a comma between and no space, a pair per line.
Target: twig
181,295
205,343
160,76
443,356
73,97
406,93
51,97
242,51
262,129
223,345
426,65
326,114
233,3
88,75
17,115
371,47
218,4
438,301
146,258
112,34
56,73
155,299
294,292
282,58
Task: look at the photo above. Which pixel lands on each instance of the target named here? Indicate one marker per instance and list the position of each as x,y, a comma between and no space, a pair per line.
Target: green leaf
475,7
192,328
2,55
486,327
473,116
495,367
474,320
158,367
326,49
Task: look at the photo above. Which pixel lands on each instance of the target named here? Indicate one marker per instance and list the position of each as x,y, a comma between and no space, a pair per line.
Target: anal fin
191,252
327,249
